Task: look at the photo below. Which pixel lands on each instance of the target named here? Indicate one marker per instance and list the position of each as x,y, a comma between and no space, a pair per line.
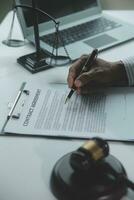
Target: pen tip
66,100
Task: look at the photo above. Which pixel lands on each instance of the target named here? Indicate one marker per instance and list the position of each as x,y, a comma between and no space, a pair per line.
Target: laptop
83,26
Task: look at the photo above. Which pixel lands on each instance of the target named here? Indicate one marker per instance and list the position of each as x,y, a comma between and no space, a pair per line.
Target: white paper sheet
107,114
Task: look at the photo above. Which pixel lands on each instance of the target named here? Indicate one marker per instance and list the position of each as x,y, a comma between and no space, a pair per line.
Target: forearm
129,67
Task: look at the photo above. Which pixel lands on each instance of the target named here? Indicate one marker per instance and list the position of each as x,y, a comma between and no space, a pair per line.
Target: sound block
100,183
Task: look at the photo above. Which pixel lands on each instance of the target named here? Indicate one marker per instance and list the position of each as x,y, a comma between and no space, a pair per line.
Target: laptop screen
56,8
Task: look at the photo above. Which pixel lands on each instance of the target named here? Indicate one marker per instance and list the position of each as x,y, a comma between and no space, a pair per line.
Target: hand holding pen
85,67
100,74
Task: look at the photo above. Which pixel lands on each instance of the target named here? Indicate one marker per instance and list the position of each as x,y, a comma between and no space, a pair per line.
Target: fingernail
78,83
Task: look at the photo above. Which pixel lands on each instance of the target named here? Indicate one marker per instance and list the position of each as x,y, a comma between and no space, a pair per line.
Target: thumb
92,75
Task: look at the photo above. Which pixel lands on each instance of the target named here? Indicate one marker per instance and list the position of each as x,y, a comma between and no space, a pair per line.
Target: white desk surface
26,163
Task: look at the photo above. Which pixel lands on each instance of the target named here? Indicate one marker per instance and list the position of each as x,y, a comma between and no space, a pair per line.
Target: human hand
101,74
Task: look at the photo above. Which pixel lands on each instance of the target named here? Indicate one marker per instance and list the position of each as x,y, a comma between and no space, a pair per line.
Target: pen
89,62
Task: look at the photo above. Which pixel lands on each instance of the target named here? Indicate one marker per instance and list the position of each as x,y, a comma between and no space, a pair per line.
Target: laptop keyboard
82,31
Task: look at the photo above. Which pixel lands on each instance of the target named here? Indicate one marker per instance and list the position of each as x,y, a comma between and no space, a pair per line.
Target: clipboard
21,92
40,110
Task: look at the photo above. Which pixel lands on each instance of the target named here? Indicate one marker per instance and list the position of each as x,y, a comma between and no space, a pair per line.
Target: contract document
42,111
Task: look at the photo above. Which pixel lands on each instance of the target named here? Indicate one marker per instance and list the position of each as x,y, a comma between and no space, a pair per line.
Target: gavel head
88,155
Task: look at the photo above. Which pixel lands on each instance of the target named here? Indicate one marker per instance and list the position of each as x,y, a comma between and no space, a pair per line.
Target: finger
75,70
87,77
89,90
